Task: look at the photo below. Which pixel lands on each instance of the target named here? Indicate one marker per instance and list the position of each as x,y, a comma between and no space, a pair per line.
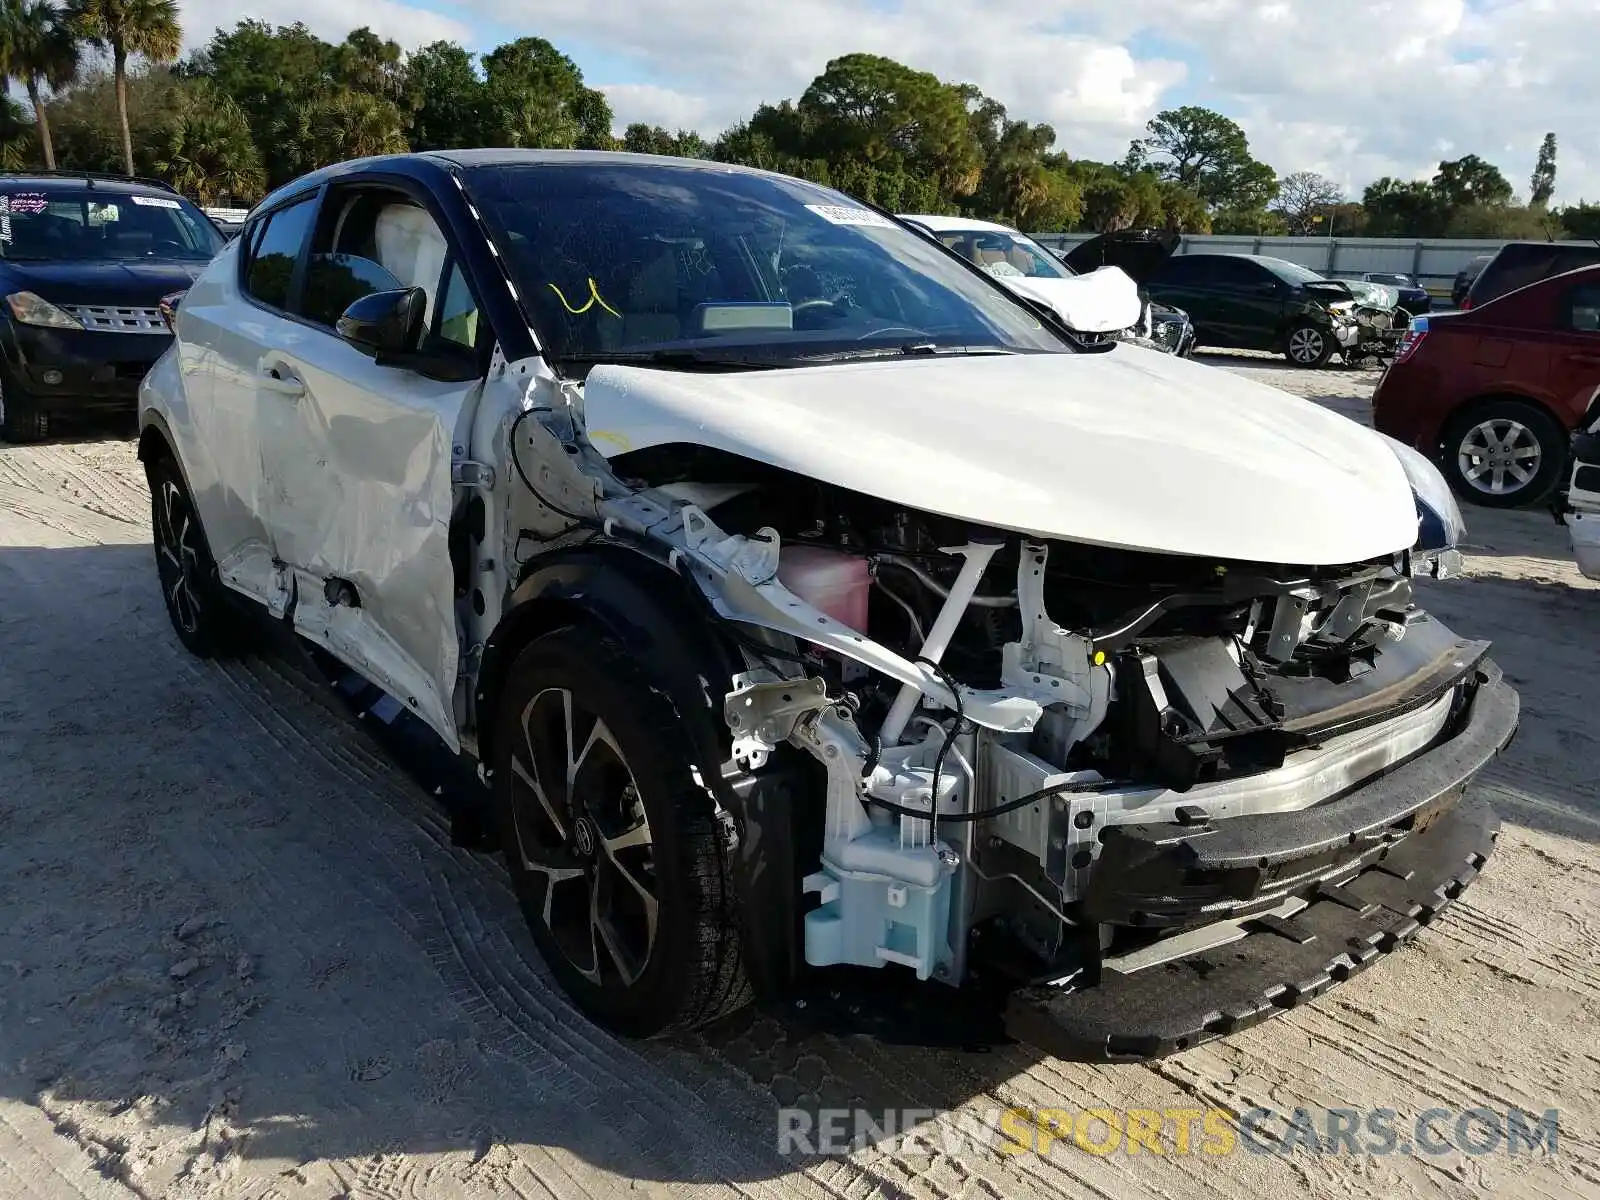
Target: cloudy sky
1352,88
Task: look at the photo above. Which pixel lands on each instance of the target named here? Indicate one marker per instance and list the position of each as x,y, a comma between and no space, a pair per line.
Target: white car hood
1129,448
1103,301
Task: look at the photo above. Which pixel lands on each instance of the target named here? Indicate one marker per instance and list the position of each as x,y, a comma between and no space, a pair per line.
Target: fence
1432,262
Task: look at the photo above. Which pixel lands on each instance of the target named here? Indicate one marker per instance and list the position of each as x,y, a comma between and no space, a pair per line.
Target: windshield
1004,254
96,226
1291,272
615,260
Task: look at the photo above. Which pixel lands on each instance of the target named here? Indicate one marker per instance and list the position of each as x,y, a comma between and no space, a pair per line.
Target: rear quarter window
1580,308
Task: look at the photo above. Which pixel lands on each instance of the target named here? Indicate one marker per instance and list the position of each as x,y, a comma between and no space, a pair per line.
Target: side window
1581,308
336,281
458,310
274,250
1181,270
372,240
1236,273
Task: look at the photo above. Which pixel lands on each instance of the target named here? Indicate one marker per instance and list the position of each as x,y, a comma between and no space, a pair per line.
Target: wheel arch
641,603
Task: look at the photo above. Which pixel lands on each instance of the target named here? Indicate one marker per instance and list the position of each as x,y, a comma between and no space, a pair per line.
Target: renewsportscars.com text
1172,1131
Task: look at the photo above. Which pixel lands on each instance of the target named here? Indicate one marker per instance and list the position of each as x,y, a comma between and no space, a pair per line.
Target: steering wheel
821,307
165,246
893,329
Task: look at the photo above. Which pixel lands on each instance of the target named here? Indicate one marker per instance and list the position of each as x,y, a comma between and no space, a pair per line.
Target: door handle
268,380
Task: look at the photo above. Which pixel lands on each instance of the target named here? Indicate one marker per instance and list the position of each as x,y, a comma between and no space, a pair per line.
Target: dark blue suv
85,262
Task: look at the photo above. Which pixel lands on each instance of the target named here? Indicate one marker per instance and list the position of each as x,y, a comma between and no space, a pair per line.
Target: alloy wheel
1499,457
581,830
1305,345
178,555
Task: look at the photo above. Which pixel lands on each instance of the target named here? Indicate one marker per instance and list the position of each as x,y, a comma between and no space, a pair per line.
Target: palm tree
146,27
41,49
205,150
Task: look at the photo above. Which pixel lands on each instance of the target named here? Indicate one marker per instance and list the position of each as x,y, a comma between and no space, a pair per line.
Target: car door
241,428
360,453
1574,364
1250,304
370,542
1187,282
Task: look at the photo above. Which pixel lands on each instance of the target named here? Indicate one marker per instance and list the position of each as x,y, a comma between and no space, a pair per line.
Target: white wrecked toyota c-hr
815,610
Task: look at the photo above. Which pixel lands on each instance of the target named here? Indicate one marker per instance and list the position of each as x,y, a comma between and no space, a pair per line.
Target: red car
1495,393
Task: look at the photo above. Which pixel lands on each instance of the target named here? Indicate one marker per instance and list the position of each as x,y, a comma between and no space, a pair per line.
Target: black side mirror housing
385,325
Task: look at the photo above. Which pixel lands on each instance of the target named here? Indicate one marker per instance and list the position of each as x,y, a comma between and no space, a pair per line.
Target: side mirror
386,325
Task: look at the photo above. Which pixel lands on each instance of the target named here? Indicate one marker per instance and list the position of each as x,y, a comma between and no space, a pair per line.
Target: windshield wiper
683,359
908,350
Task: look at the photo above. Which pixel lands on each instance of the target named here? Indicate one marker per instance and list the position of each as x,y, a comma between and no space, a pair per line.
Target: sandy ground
241,958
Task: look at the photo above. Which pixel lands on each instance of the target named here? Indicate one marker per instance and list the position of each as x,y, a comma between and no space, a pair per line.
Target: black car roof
116,185
426,165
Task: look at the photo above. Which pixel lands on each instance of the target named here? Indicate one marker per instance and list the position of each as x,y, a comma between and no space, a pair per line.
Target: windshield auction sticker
839,214
154,202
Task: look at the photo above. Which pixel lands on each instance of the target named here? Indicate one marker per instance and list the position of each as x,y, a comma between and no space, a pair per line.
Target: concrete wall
1433,262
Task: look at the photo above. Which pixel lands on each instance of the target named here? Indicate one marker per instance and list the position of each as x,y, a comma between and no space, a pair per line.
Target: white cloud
328,19
644,102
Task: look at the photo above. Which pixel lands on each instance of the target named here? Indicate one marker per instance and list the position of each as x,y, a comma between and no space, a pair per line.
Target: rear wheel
22,419
1505,453
202,616
1309,346
619,863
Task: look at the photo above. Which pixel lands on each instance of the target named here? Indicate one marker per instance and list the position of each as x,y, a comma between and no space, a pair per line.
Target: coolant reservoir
831,580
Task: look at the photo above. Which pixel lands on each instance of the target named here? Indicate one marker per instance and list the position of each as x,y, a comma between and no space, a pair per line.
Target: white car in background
1102,301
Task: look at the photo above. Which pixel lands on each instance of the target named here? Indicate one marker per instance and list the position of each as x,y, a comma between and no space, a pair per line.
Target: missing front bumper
1318,895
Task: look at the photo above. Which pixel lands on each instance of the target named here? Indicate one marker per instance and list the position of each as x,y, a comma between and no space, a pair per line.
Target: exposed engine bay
1003,723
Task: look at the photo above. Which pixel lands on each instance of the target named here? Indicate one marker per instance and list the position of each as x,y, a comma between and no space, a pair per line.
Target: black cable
998,810
950,736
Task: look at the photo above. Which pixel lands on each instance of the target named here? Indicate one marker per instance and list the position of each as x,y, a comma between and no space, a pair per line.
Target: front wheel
1309,346
1505,454
22,419
619,863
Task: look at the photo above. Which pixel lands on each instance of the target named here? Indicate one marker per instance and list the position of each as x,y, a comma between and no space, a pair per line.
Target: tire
1532,443
636,836
1309,345
22,420
203,615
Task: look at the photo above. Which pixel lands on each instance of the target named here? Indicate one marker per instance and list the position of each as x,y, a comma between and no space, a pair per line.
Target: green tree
870,108
41,49
639,138
17,136
445,98
1403,208
1303,198
1543,184
204,148
148,28
1509,222
1257,222
271,74
346,124
1207,153
1581,220
86,119
364,62
1470,180
536,97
